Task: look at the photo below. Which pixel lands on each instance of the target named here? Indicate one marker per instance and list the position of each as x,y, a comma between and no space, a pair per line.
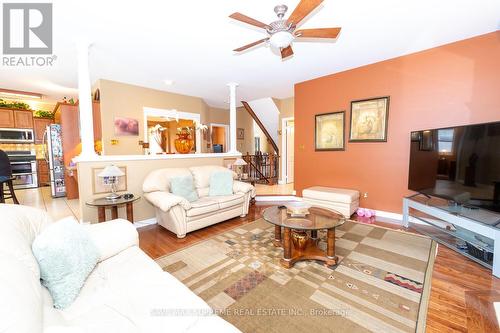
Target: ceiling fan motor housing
280,10
281,33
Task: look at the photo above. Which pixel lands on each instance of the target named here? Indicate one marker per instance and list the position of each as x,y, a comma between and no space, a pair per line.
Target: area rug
381,284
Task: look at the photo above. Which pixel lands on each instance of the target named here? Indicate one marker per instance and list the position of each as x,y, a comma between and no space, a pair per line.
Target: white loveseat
126,292
181,216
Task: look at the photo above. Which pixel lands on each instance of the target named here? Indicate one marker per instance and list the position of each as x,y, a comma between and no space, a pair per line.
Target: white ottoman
342,200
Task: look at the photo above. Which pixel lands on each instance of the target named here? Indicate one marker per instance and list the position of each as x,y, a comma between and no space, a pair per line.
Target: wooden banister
262,166
262,127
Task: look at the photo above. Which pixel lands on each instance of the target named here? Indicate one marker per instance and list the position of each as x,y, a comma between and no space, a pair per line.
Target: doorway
287,140
219,137
160,128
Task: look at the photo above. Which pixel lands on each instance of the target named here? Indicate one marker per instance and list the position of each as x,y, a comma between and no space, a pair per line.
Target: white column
85,101
232,117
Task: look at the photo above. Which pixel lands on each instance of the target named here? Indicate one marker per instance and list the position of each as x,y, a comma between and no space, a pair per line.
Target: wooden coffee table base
311,251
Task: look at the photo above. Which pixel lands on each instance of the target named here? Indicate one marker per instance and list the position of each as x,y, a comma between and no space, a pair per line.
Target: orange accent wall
450,85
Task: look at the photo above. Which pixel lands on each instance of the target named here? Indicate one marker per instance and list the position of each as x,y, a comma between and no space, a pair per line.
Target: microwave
16,135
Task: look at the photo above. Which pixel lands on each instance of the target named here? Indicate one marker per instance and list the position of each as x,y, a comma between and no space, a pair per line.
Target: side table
103,203
251,181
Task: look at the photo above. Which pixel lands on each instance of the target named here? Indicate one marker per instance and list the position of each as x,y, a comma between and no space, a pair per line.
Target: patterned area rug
381,284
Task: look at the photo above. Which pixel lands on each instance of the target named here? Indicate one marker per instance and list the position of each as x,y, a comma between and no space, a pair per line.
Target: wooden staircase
262,166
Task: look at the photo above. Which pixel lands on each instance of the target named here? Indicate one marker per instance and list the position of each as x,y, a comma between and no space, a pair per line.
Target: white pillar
232,117
85,101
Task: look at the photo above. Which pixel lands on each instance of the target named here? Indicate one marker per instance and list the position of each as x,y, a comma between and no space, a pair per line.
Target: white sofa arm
112,237
241,187
166,200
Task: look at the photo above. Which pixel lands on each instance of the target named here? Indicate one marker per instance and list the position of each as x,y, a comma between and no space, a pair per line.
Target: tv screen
461,164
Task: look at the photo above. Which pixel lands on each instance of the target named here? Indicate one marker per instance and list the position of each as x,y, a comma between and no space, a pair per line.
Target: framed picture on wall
240,133
126,126
369,120
329,131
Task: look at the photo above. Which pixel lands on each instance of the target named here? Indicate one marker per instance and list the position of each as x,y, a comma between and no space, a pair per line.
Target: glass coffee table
305,245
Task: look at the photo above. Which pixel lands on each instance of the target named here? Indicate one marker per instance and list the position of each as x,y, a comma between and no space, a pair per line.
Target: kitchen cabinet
16,118
43,172
6,118
39,127
23,119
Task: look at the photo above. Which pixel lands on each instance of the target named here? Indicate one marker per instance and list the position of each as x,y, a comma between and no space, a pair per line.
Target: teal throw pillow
183,186
66,255
221,183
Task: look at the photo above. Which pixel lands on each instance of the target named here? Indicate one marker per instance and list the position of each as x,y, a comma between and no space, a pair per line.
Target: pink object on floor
365,212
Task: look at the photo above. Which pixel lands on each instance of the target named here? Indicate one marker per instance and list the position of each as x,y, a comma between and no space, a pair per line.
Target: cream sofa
181,216
126,292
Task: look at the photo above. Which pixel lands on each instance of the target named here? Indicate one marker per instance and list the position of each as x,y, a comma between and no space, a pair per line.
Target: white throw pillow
66,255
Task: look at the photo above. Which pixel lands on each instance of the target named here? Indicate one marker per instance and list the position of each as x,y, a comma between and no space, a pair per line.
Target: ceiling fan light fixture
281,39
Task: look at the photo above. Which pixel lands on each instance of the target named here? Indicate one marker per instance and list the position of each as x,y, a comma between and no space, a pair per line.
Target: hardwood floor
462,295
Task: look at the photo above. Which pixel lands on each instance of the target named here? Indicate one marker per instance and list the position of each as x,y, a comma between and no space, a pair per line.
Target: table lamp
110,176
239,163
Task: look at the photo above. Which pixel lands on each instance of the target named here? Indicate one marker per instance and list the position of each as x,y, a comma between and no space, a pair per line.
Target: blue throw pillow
66,255
221,183
183,186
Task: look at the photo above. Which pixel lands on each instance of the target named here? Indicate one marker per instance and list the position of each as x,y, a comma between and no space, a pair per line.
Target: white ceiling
190,42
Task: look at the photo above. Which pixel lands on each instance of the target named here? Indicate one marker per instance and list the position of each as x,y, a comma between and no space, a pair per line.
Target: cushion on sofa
20,297
20,289
221,183
112,237
66,255
107,303
159,180
227,201
183,187
202,206
201,174
166,200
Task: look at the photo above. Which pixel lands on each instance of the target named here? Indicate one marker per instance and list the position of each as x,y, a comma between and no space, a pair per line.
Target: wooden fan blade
248,20
318,33
243,48
286,52
302,10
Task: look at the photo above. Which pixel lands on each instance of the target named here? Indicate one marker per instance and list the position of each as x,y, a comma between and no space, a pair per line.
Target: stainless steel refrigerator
54,156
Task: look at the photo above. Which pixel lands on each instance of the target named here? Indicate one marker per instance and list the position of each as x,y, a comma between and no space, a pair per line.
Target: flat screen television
460,164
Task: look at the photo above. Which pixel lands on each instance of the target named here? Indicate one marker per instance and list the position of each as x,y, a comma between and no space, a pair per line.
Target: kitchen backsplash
38,148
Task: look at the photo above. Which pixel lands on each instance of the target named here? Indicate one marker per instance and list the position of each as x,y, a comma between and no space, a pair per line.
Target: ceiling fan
282,32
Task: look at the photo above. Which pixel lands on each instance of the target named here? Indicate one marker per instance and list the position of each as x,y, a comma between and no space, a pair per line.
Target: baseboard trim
397,217
268,198
144,223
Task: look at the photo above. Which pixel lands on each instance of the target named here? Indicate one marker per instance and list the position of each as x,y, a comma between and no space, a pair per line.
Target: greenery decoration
14,105
43,114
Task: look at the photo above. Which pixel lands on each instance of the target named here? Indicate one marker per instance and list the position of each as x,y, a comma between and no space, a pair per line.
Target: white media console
454,226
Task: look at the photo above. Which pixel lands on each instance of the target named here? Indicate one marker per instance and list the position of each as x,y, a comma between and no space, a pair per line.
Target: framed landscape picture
329,131
369,118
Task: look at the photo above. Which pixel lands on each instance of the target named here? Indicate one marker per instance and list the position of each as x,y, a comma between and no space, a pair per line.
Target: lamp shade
240,161
111,171
281,39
